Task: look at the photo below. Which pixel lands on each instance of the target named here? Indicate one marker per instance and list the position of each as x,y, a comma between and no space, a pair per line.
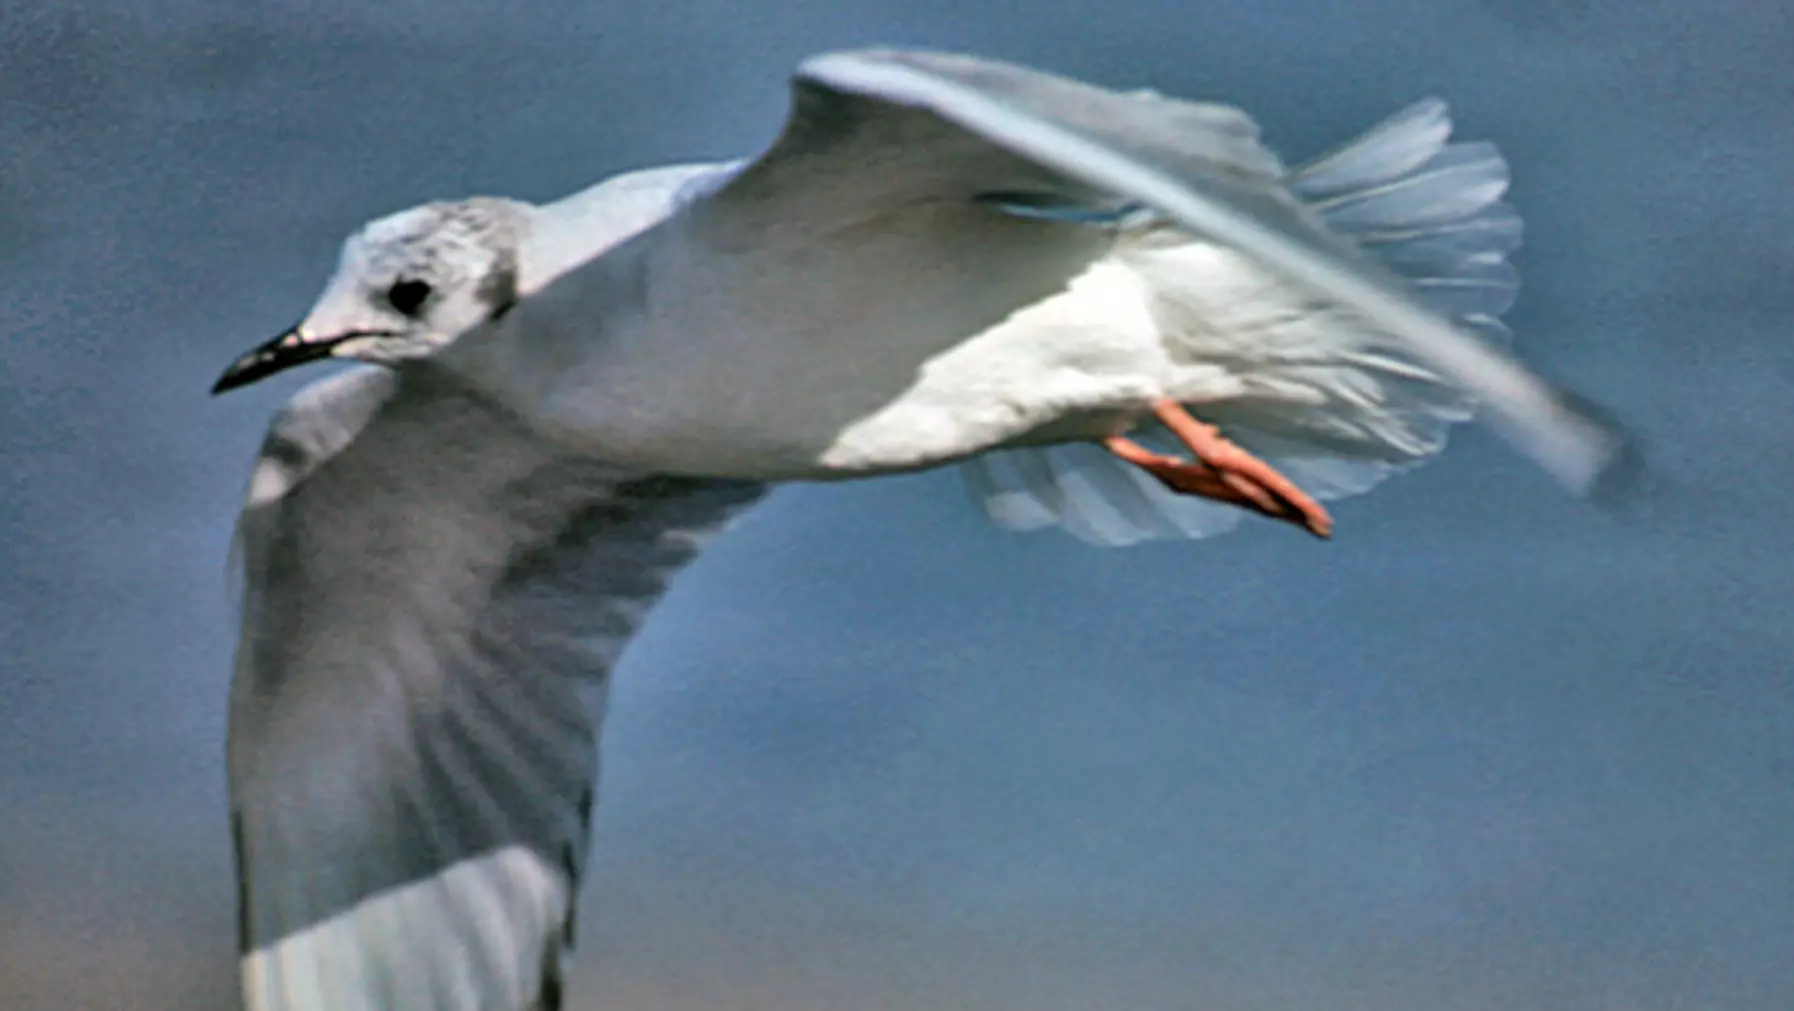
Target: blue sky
1489,749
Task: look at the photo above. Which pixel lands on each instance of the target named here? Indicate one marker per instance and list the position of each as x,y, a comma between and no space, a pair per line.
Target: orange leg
1222,471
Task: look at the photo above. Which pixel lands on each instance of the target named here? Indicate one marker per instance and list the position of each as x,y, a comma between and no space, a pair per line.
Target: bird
1117,313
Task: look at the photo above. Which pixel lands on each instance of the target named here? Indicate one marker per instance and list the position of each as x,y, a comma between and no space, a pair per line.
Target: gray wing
1024,133
433,599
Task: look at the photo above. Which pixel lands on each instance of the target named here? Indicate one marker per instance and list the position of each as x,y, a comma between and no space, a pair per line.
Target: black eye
408,297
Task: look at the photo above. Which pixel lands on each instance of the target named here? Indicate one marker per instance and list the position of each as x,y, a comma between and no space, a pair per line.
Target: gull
1117,313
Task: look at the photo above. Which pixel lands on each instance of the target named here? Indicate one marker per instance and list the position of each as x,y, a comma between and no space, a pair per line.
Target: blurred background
1490,749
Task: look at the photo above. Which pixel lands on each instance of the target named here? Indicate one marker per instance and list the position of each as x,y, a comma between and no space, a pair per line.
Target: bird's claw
1222,471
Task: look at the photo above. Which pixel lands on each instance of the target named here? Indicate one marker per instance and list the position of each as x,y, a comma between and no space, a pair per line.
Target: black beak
294,347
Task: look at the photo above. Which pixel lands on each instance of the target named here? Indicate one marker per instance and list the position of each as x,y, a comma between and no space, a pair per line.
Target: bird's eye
408,296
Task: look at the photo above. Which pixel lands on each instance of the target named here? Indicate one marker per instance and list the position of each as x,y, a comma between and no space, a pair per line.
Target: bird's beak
294,347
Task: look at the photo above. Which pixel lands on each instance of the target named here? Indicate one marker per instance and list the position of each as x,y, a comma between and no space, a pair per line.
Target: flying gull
1117,313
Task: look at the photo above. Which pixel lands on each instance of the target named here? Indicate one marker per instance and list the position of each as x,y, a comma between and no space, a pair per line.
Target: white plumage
942,260
1334,403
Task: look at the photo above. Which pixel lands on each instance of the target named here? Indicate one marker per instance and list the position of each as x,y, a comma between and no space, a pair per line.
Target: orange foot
1222,471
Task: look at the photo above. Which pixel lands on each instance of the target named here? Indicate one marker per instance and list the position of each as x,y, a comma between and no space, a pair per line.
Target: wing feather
1137,147
434,595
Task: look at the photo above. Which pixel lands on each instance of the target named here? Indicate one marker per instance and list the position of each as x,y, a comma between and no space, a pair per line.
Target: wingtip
1618,474
1623,482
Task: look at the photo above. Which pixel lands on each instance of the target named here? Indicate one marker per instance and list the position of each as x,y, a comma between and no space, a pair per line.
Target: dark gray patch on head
499,287
432,237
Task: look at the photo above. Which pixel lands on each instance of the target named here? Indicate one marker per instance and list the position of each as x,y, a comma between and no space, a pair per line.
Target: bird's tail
1426,209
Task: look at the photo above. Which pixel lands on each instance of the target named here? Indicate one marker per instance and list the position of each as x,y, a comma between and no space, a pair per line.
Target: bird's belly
1086,362
883,387
1078,364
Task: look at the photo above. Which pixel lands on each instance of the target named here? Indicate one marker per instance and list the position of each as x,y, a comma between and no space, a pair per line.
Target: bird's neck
575,229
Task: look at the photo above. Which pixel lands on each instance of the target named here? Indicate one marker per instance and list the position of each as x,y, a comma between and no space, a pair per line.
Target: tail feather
1476,287
1490,235
1425,208
1080,487
1389,150
1459,181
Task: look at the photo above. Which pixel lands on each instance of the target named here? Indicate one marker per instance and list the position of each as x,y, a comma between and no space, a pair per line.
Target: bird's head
406,285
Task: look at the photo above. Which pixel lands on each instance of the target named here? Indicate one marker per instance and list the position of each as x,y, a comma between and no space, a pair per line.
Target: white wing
794,317
1145,149
433,600
1328,399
